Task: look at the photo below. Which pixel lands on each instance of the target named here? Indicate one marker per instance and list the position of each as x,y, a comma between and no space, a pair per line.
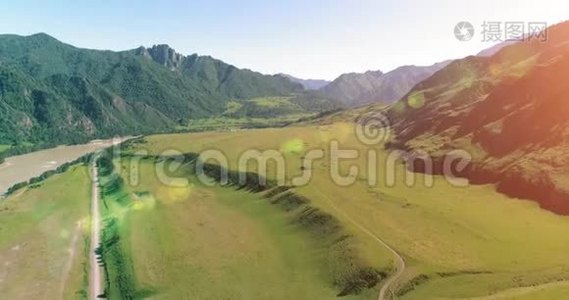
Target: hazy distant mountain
354,89
309,84
495,49
54,92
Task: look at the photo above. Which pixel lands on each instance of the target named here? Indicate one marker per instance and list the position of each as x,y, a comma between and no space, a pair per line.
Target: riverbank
21,168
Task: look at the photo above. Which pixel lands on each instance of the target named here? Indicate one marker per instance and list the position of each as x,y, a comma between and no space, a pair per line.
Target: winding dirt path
69,263
386,291
95,282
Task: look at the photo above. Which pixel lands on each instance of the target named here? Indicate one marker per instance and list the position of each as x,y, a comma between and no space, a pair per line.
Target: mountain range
495,49
52,91
507,108
309,84
356,89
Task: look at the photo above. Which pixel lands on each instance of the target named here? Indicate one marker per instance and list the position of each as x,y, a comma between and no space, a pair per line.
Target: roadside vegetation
120,282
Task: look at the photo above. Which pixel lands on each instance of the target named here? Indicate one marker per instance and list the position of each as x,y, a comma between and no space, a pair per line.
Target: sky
318,39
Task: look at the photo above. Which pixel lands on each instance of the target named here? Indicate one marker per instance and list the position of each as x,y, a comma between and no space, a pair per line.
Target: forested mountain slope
53,92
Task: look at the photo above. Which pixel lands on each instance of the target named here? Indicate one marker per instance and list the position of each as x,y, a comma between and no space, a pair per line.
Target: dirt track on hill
69,263
386,291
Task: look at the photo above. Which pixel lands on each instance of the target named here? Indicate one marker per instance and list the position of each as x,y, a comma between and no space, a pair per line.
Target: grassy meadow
223,123
44,239
189,240
259,112
199,242
458,242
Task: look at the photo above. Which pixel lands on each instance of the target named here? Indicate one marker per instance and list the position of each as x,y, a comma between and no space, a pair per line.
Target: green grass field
199,242
44,239
272,101
202,242
224,123
259,112
458,242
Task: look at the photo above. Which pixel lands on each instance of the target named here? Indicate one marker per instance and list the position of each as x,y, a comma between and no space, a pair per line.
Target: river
24,167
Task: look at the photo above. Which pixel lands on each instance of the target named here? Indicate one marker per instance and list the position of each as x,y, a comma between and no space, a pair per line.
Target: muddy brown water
24,167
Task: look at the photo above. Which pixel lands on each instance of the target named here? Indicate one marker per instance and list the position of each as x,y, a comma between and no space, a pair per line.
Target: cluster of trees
120,281
316,102
118,268
306,102
112,256
251,109
249,181
321,115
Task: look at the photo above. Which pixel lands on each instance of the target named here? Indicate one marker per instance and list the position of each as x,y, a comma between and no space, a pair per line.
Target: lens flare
416,100
173,194
294,146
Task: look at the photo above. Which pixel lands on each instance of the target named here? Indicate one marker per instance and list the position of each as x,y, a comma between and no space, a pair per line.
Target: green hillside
458,242
508,111
54,92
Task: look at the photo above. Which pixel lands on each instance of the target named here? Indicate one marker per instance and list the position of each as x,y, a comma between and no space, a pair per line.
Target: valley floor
199,242
187,239
459,242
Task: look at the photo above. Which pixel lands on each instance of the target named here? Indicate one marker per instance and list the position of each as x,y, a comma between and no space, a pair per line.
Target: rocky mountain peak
165,55
377,73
